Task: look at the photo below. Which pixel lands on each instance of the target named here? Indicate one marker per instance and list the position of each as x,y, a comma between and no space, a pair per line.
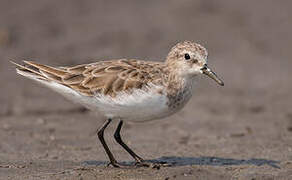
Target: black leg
139,161
120,141
100,133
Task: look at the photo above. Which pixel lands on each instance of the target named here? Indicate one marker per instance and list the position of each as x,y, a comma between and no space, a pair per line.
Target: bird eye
187,56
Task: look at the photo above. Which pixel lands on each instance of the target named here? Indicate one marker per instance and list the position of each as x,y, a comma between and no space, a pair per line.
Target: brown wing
104,77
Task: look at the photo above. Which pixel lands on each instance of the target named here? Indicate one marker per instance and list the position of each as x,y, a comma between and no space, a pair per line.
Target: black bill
207,71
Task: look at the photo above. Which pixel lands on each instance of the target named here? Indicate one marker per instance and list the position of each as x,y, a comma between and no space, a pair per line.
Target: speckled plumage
105,85
128,89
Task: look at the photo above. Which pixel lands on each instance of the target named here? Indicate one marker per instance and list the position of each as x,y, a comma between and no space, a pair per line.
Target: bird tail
39,72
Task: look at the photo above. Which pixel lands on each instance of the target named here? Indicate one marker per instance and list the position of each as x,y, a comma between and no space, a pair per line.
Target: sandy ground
240,131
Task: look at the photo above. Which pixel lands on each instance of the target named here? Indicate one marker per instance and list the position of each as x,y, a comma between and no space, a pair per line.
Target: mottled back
104,77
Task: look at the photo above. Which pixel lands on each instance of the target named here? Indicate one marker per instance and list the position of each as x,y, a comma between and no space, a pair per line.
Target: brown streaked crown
176,51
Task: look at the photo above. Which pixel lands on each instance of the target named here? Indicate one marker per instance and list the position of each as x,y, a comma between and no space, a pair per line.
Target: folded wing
104,77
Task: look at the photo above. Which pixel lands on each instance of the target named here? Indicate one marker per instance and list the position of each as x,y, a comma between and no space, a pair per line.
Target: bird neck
176,83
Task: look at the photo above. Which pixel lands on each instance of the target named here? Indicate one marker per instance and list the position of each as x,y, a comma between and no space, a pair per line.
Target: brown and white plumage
130,89
127,88
104,77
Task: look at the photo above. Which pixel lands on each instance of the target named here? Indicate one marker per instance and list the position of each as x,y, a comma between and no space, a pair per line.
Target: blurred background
249,44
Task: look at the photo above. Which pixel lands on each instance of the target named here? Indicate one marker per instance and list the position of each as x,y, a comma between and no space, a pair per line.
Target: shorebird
128,89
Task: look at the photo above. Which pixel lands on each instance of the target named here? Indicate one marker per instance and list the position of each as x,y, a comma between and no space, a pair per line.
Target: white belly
137,106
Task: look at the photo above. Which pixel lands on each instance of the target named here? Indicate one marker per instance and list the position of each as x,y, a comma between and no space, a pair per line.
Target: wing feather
104,77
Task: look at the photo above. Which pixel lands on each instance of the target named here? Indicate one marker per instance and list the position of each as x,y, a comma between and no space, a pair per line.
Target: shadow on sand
210,161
